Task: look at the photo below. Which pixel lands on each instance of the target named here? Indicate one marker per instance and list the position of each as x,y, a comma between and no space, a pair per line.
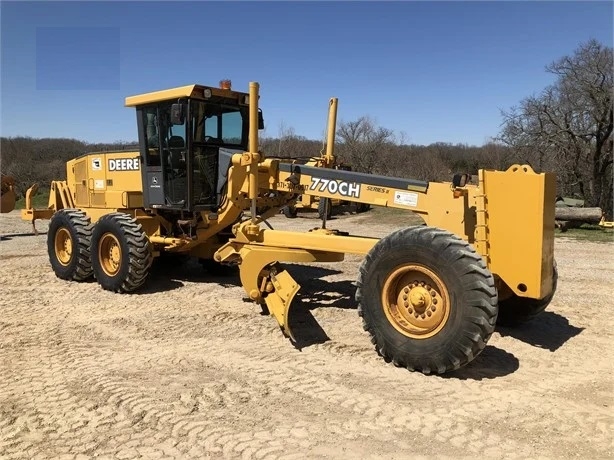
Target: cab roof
192,91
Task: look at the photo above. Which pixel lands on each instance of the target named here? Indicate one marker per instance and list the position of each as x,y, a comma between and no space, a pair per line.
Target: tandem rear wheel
427,300
121,253
68,244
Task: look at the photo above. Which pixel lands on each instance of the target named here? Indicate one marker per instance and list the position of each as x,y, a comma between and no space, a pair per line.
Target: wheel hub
63,246
110,254
416,301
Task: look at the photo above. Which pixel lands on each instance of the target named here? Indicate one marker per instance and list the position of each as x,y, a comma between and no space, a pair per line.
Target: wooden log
565,225
588,215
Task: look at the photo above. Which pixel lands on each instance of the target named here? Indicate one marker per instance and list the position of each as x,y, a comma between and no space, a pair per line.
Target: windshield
220,123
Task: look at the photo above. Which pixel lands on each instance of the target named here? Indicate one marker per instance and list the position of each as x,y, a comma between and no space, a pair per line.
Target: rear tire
289,211
516,311
121,253
68,244
427,299
362,207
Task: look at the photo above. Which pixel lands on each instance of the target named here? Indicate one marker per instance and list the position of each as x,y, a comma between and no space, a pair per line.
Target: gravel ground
187,369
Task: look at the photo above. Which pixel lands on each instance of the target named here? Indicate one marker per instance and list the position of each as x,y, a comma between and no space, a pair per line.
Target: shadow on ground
492,363
169,273
549,331
10,236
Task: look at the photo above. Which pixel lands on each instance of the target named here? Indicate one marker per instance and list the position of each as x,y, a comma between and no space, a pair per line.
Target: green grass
587,232
39,200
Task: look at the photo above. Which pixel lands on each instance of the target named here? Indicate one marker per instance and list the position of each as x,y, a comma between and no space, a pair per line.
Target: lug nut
428,313
406,290
434,308
433,293
404,297
434,301
410,311
422,316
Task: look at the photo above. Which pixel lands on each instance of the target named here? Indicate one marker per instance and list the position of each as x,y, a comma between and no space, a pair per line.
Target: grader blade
280,299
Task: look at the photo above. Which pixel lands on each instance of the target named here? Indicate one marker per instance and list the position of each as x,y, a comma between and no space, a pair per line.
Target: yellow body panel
193,91
520,228
106,180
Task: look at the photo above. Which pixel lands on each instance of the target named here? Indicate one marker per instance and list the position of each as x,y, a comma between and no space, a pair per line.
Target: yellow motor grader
429,295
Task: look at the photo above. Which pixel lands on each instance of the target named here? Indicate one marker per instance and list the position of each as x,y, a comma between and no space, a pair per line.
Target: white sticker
406,198
99,184
96,164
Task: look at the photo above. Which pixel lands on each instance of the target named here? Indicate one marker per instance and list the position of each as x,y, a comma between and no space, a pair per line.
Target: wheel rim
63,246
109,254
416,301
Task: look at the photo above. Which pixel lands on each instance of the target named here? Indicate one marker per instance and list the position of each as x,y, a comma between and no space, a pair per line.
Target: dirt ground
187,369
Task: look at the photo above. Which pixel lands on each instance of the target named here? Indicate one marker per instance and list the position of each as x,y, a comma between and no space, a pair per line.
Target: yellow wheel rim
416,301
109,254
63,246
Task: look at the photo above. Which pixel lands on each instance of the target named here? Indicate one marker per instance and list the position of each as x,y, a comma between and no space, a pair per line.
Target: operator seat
176,153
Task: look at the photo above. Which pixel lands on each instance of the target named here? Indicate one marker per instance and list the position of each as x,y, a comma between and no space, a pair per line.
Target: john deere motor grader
429,295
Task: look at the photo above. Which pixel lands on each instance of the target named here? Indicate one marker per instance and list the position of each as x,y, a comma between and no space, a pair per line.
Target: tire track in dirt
181,373
237,323
137,409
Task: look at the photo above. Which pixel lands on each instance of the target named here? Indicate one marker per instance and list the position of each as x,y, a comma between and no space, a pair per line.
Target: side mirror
460,180
177,114
260,119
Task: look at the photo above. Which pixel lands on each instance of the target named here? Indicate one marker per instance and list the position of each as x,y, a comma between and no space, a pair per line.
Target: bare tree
362,143
568,127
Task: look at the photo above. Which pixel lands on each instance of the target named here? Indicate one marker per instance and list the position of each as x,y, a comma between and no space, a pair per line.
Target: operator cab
187,137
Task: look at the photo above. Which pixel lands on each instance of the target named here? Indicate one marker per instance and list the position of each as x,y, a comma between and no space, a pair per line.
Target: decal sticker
96,164
124,164
406,198
371,188
99,184
335,187
291,187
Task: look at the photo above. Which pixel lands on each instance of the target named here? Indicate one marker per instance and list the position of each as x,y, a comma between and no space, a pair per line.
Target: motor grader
429,295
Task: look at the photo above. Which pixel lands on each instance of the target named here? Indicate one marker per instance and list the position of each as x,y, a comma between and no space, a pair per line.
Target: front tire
68,244
121,253
427,299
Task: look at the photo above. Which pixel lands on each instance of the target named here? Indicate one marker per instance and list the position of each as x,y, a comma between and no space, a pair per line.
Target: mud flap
279,300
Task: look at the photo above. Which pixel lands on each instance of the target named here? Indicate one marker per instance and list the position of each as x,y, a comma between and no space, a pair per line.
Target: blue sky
436,71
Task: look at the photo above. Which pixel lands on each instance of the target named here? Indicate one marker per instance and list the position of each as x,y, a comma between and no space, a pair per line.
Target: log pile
567,217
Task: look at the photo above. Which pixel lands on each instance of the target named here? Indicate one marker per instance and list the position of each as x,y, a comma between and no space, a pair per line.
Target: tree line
565,129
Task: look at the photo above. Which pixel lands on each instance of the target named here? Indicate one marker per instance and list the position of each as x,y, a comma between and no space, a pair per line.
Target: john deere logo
124,164
96,164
